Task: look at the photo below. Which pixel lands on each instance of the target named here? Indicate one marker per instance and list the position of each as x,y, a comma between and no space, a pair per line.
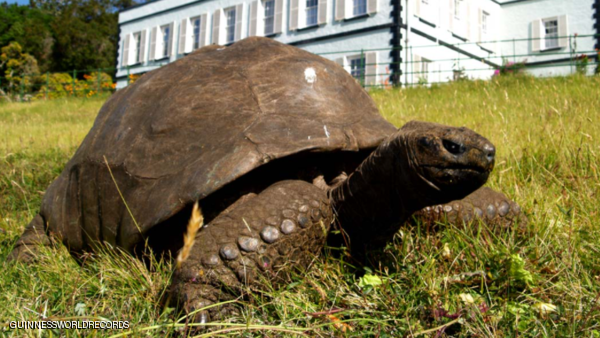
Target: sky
20,2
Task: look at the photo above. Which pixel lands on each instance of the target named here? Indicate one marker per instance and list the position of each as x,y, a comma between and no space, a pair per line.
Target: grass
453,282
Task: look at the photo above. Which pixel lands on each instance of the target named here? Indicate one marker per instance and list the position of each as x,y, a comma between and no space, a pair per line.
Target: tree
19,68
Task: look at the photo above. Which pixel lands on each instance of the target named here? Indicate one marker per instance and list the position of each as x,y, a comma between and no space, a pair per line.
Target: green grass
548,137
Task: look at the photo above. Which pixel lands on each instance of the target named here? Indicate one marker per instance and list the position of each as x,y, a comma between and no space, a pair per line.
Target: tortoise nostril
453,147
490,152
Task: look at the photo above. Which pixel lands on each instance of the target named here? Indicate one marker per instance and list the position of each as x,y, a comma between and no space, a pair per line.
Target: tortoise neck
381,194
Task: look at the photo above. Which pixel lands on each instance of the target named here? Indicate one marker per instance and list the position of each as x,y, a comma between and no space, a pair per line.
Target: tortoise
261,134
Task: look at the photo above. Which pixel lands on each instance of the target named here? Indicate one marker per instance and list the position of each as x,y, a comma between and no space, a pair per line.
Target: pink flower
497,72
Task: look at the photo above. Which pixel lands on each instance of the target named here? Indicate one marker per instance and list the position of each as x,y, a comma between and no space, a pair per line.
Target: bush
62,84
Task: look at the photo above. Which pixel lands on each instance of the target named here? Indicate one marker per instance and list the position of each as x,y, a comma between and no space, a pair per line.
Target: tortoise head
451,161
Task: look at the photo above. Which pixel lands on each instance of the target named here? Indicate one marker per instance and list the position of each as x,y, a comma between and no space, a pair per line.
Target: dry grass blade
195,223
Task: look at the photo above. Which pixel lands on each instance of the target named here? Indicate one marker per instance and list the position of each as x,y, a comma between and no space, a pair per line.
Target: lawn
450,282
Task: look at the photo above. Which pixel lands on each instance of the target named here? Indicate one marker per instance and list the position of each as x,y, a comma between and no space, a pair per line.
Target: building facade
380,42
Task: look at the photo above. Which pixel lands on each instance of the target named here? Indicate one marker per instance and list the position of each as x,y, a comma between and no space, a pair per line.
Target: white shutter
153,43
239,19
216,27
253,18
322,12
203,30
293,15
126,49
142,51
563,31
480,27
343,61
278,17
170,45
183,36
340,9
451,16
535,35
372,6
416,68
418,8
371,68
468,21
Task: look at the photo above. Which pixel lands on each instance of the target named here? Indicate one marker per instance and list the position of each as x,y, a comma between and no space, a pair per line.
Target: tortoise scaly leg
28,244
491,207
270,235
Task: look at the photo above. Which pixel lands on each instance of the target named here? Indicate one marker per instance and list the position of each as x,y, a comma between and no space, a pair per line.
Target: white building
378,41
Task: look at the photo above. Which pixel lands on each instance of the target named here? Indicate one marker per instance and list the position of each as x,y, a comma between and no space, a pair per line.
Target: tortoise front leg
489,206
28,244
269,235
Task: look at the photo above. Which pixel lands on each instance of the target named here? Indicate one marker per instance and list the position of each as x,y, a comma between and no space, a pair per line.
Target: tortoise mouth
459,167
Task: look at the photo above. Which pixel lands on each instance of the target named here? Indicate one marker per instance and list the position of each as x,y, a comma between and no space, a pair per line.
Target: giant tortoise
261,134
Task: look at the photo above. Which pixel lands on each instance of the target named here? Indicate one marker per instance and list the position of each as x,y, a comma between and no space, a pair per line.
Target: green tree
19,68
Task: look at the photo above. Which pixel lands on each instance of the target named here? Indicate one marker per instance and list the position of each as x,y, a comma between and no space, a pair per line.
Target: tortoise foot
486,205
27,245
267,237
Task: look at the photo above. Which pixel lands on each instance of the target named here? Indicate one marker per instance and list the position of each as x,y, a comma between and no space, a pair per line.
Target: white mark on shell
326,131
310,75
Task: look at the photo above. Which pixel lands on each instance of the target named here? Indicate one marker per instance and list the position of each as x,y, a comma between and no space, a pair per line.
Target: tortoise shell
184,131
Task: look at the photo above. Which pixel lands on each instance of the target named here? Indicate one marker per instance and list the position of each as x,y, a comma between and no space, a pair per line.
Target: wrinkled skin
285,226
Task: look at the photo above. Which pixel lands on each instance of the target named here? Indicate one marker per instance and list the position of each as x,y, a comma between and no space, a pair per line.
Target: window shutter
170,46
253,18
322,12
535,35
203,33
451,15
239,16
468,21
372,6
418,8
480,29
126,50
153,44
563,31
216,26
416,68
340,9
371,68
278,17
293,15
182,36
142,51
343,61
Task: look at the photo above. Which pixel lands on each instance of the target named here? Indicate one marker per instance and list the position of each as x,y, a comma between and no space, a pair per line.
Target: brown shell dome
183,131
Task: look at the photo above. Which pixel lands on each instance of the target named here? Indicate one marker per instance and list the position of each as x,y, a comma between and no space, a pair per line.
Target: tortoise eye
453,147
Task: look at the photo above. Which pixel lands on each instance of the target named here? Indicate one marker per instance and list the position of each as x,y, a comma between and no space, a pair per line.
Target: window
195,33
166,35
269,6
550,33
457,9
230,25
357,67
423,74
311,12
359,7
136,48
485,17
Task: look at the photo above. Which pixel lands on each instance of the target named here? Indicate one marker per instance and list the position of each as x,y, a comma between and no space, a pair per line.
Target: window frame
354,6
360,76
485,18
137,45
270,18
547,37
308,11
165,34
229,29
457,9
196,35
